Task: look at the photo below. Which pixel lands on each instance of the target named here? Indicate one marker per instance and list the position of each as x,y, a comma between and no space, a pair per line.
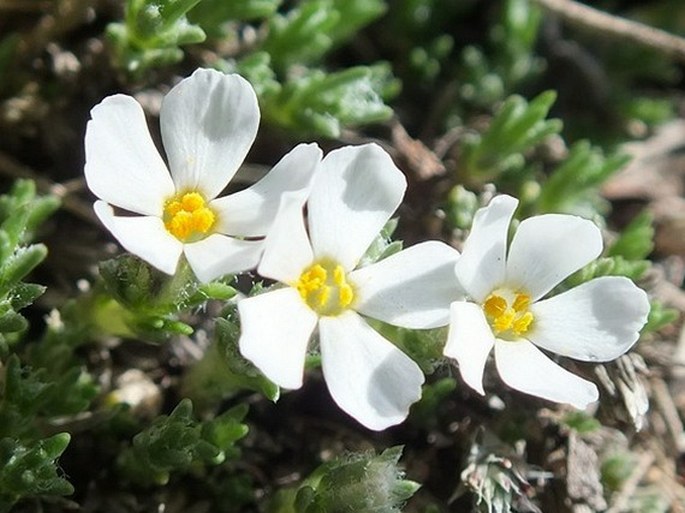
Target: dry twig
604,23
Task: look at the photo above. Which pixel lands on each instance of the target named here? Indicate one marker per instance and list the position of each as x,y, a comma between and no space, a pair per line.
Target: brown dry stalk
604,23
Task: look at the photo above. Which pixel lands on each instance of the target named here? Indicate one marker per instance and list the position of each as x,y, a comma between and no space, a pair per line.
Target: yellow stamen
187,217
505,320
325,289
521,303
495,306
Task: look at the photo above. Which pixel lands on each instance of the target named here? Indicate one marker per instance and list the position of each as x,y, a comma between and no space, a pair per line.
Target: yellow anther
324,288
495,306
505,320
192,201
521,302
187,217
346,295
522,324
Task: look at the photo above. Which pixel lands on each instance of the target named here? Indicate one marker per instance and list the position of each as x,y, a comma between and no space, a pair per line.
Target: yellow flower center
324,287
508,314
187,217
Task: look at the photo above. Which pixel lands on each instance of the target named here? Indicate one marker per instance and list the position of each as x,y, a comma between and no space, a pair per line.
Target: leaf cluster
137,299
364,483
28,396
178,443
284,63
21,212
515,129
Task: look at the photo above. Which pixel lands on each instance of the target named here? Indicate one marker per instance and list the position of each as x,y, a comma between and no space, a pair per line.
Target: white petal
250,213
275,328
412,288
548,248
368,377
286,248
208,121
354,194
143,236
469,341
597,321
123,167
524,367
219,254
480,269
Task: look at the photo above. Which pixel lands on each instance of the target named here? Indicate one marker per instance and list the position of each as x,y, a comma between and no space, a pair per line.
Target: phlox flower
354,193
596,321
208,123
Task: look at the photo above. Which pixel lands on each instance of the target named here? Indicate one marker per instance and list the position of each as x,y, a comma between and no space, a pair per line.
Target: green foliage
28,470
178,442
581,422
462,205
424,412
578,178
305,99
28,394
659,317
223,370
382,246
423,346
215,16
316,102
142,300
21,212
152,33
491,75
515,129
323,103
363,483
636,240
308,31
610,266
493,478
615,469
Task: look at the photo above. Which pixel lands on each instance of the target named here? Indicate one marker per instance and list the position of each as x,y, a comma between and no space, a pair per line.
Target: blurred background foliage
101,358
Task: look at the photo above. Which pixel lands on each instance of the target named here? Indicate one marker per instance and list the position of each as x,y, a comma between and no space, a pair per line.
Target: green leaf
584,169
214,15
20,264
636,240
152,32
659,317
359,482
321,103
31,470
516,128
609,266
177,442
302,35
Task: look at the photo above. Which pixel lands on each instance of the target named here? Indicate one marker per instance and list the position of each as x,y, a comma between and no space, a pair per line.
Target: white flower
208,123
596,321
354,193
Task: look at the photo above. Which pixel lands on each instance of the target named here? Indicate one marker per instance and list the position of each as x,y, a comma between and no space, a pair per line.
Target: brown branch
588,17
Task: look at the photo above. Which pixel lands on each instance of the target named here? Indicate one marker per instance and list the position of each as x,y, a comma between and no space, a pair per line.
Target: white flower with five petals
354,193
597,321
208,123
